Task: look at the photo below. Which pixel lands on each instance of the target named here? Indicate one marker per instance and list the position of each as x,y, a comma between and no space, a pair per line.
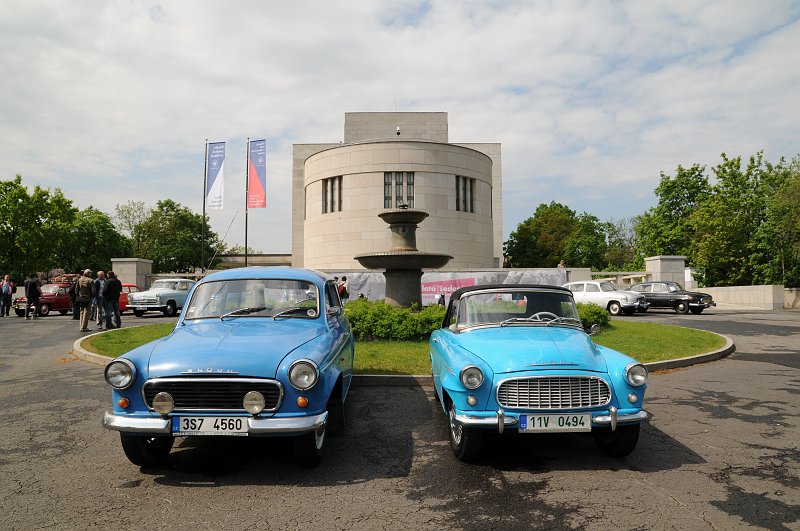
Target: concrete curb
393,380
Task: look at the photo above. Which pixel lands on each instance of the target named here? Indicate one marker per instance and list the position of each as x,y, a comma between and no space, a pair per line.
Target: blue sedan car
515,357
255,352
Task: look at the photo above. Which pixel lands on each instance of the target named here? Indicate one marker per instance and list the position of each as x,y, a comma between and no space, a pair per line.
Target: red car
55,297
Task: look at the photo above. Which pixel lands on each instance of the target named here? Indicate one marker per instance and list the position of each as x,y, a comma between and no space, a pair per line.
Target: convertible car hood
245,346
525,348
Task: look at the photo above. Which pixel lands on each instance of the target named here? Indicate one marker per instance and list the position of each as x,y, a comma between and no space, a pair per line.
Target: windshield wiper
557,320
290,310
243,311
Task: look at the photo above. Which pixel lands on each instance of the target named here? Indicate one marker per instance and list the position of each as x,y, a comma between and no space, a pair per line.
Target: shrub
592,314
378,320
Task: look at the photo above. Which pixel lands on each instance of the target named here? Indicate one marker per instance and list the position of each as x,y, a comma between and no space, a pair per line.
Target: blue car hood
247,346
526,348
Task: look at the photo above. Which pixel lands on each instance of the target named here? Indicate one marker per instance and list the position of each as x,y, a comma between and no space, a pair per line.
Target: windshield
50,288
229,299
674,286
607,286
516,307
164,284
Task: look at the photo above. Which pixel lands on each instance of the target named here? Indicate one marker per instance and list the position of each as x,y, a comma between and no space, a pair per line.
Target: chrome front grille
553,392
221,394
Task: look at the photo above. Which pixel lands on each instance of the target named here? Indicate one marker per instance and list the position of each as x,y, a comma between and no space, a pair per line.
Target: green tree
539,240
586,246
30,225
175,239
91,241
666,229
621,252
727,220
130,218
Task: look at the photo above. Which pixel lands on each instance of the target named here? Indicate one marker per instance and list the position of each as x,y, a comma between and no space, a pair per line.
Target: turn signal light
302,401
123,403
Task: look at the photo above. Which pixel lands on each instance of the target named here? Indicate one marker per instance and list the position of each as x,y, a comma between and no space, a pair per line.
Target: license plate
555,423
209,426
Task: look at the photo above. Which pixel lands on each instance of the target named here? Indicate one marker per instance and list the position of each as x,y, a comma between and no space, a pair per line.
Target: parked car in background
165,295
604,294
123,296
55,298
256,352
515,357
672,295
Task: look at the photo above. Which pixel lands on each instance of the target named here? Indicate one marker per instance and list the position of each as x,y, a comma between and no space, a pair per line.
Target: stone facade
357,167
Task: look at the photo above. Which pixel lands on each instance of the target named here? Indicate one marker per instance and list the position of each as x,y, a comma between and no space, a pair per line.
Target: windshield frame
459,323
237,301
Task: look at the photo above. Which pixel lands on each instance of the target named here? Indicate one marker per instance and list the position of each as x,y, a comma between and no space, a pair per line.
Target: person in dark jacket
32,293
111,292
7,289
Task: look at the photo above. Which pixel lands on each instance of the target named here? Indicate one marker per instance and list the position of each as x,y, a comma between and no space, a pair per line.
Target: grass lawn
643,341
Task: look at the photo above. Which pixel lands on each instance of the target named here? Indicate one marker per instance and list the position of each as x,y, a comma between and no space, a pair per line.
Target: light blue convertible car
255,352
515,357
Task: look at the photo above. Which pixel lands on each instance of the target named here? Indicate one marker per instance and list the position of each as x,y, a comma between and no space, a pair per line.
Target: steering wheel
539,315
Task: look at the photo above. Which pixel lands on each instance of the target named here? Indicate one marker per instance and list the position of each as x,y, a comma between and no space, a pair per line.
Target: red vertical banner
257,175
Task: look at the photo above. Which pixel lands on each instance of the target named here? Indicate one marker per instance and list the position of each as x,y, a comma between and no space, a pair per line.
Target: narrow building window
398,181
458,193
324,196
387,189
465,194
410,189
332,194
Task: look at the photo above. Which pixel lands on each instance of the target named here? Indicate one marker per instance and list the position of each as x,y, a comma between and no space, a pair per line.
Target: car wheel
146,451
171,309
682,307
44,309
308,447
465,442
20,313
138,313
617,443
63,312
614,308
696,311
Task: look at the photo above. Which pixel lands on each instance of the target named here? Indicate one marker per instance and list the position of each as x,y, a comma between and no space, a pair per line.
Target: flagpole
246,198
203,223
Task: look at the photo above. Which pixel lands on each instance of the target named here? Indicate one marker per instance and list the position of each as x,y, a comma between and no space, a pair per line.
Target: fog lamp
254,402
471,400
302,401
632,398
123,403
163,403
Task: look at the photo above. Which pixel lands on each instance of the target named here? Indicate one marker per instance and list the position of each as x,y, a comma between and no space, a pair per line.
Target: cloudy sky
112,101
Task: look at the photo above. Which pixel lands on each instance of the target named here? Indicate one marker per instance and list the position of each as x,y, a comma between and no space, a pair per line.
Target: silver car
165,295
604,294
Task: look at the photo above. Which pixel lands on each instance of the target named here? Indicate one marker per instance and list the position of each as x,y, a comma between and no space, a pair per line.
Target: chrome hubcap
455,427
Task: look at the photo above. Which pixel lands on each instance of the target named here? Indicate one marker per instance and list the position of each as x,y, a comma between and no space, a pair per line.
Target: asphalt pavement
720,453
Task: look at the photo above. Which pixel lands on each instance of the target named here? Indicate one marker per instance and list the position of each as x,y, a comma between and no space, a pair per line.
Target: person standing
99,300
7,289
111,294
344,290
85,296
73,297
32,293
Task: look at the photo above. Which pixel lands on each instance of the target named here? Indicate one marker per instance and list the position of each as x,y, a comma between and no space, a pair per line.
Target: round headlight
303,374
120,374
471,377
163,403
254,402
636,374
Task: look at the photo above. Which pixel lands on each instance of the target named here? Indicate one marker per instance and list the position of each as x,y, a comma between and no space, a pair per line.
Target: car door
594,295
578,292
660,296
338,326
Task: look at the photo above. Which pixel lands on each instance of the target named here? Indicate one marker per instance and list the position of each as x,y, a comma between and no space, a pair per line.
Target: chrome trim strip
625,418
501,420
489,422
279,426
204,379
135,424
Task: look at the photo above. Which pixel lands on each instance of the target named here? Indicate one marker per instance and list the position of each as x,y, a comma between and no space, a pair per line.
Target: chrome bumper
255,425
502,419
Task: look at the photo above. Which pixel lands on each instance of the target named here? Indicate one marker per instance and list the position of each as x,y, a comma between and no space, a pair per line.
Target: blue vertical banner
257,175
215,179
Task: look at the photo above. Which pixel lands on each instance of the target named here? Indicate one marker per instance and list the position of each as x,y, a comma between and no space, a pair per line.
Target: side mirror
595,329
333,311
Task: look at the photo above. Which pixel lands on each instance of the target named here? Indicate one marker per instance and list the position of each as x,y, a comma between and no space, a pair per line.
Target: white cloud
113,101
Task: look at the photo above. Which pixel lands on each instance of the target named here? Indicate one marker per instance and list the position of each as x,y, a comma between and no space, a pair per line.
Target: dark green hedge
378,320
593,314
